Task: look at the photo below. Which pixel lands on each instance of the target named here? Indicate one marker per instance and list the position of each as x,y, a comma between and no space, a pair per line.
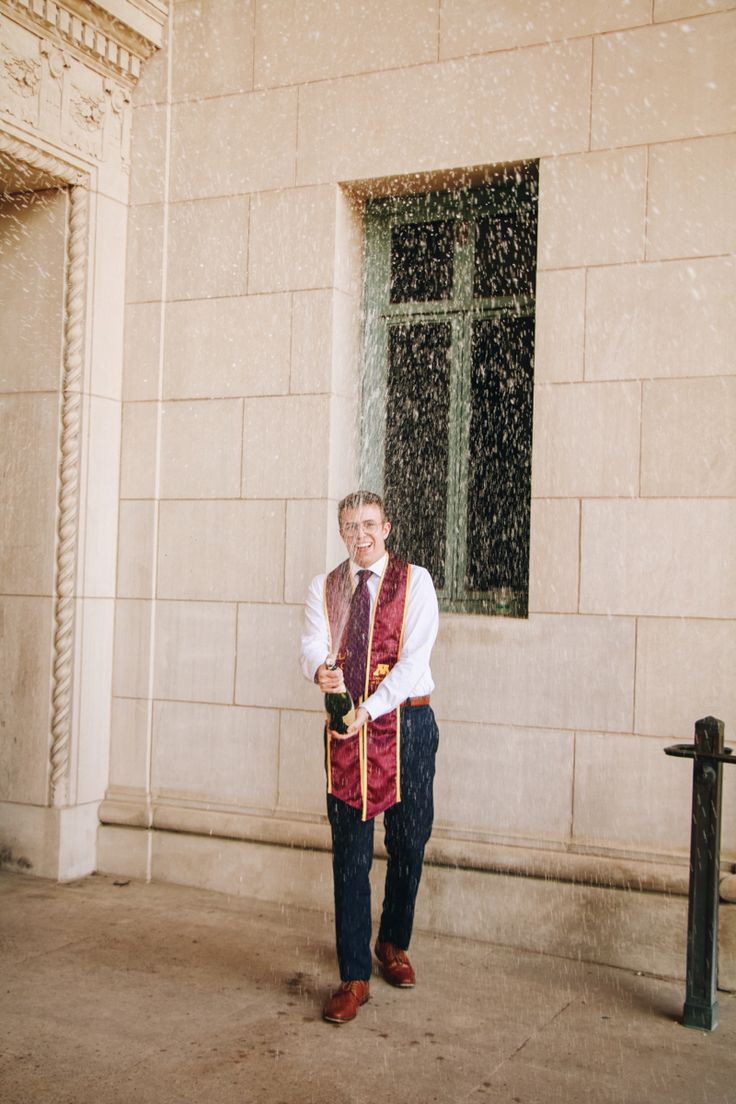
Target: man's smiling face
364,530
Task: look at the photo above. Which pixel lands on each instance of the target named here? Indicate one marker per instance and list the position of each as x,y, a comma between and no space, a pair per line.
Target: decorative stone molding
446,848
24,72
104,37
68,497
67,71
55,172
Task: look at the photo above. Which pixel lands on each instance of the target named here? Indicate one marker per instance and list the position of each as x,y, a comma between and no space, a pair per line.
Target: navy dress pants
408,826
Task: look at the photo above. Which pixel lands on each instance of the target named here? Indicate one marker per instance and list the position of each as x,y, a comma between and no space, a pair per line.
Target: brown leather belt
411,702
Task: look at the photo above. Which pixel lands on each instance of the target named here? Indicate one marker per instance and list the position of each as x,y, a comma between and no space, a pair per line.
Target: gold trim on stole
328,764
363,735
398,707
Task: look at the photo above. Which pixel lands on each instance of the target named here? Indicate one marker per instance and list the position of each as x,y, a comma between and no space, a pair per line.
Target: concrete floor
129,993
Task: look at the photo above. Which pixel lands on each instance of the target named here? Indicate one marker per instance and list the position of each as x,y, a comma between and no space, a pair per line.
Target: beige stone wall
255,130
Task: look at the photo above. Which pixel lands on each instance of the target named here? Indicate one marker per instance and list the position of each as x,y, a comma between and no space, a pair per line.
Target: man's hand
361,717
328,679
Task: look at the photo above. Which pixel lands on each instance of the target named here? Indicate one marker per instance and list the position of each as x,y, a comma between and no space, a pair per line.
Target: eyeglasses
350,528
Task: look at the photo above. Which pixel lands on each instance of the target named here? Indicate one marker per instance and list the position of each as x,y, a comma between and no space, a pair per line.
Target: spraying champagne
338,703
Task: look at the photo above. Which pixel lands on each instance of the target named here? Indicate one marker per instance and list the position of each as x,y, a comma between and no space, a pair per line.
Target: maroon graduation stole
363,770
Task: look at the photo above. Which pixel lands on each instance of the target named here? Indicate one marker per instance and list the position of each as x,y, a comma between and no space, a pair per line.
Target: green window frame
446,426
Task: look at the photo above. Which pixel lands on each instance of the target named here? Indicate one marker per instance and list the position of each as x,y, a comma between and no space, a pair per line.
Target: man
376,616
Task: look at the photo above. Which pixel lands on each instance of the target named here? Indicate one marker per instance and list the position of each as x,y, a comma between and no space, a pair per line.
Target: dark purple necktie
356,638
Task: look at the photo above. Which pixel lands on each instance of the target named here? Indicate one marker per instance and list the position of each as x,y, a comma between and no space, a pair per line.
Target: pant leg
409,824
352,856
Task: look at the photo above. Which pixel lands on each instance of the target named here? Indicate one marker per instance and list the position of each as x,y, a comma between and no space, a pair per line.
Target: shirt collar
376,567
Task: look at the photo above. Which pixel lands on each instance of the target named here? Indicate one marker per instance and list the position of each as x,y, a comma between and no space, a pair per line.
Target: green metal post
701,1004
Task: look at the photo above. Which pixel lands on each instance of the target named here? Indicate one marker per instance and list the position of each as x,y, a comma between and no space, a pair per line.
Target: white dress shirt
410,677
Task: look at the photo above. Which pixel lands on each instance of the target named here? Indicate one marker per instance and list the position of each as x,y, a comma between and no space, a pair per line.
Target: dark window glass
422,256
505,253
499,462
417,436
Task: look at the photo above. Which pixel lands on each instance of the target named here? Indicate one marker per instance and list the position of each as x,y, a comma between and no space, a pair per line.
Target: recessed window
447,403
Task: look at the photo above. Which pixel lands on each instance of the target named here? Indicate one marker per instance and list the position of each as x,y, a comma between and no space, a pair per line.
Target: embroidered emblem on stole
363,770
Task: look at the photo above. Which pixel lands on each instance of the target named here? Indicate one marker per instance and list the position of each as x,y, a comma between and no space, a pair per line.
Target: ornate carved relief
119,122
25,72
67,70
20,75
106,42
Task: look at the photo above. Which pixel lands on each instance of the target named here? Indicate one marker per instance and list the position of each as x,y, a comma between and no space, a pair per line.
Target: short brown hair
356,499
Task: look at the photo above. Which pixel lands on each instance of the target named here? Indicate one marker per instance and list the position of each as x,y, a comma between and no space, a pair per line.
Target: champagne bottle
339,704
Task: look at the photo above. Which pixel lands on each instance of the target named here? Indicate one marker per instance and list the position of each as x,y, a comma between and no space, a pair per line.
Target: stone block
632,931
224,755
307,521
201,448
213,48
152,85
478,111
511,782
574,453
347,346
138,450
302,784
258,870
559,340
681,72
144,258
683,673
28,460
261,156
136,543
665,10
574,193
629,794
142,351
33,233
208,248
692,211
26,628
221,550
311,41
292,240
554,555
529,673
129,741
648,557
132,656
108,307
148,161
687,438
672,318
285,447
344,445
474,26
225,348
268,672
122,851
312,341
90,753
194,652
100,480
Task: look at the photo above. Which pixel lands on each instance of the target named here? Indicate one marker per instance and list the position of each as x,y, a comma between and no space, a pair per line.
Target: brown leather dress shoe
344,1003
396,966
